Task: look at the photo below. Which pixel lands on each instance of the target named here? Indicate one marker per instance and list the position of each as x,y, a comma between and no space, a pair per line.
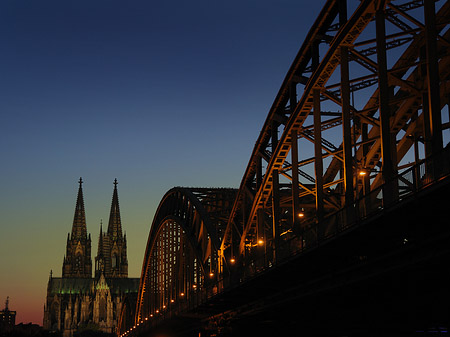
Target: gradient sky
156,94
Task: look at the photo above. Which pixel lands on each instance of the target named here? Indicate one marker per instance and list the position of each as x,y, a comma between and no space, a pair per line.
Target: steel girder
381,75
361,103
181,253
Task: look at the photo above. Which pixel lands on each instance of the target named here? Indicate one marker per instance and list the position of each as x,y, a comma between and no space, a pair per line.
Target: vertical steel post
318,163
275,195
261,235
347,132
366,176
385,114
342,21
295,189
275,214
434,105
342,12
425,106
294,160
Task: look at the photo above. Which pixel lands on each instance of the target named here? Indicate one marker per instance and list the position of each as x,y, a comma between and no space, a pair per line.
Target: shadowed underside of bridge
340,223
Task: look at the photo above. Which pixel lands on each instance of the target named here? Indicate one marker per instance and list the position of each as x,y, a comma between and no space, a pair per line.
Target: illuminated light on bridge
305,238
362,172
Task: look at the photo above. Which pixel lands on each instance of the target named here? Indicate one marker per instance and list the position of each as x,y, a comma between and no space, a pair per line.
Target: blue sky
156,94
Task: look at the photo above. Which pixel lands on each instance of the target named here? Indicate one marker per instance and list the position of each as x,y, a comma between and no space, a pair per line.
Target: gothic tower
111,257
77,261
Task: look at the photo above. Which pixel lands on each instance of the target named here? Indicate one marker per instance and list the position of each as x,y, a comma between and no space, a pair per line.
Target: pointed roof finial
114,225
6,303
79,230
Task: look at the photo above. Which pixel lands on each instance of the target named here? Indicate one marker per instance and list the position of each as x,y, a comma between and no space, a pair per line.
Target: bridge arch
349,136
181,253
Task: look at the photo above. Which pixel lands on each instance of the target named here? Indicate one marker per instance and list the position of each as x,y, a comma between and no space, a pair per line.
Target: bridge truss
351,131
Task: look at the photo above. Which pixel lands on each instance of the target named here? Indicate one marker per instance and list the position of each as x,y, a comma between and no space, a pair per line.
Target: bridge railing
404,186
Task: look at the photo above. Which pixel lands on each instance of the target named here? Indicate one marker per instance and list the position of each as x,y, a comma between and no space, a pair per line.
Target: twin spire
111,258
79,228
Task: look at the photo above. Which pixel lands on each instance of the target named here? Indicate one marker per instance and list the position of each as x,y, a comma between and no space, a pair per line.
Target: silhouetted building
76,300
7,319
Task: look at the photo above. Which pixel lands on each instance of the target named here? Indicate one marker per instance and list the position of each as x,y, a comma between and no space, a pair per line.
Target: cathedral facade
77,299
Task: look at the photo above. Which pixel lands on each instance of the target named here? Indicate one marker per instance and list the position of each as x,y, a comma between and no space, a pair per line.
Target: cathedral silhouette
77,299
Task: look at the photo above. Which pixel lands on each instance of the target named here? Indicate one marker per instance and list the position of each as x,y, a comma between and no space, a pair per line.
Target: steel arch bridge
181,254
357,128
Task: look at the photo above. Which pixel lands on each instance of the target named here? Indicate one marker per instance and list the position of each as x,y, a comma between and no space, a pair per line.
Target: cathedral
78,300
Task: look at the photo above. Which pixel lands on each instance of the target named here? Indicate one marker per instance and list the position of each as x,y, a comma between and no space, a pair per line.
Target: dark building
7,319
77,299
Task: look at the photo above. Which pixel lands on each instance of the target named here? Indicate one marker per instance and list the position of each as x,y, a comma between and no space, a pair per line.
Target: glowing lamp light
157,311
211,274
164,306
362,173
171,301
182,294
151,315
260,241
194,286
301,215
232,260
146,318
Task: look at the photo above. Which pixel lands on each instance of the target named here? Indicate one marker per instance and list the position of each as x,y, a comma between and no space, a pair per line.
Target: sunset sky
154,93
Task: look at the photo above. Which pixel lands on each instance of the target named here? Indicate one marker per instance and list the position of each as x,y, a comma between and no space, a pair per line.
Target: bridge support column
318,163
295,189
261,258
387,139
366,176
294,160
434,105
275,214
347,135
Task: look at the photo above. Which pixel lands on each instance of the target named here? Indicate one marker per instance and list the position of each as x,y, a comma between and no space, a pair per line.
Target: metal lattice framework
351,131
181,252
371,89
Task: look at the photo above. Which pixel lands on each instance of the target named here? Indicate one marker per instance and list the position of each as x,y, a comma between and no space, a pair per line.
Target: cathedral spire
77,261
114,225
111,257
79,230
